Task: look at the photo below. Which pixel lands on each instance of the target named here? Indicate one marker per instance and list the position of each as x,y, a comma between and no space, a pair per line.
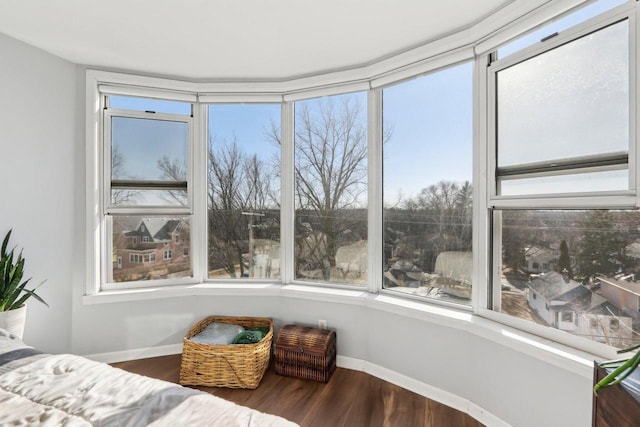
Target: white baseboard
426,390
135,354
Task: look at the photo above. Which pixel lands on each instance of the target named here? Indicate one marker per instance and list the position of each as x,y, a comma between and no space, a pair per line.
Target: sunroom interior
451,186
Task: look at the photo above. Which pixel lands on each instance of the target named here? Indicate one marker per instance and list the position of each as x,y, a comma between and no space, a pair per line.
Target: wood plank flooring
350,398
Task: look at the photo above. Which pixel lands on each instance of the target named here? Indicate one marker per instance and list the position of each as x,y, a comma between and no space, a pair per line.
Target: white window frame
623,198
291,171
99,240
208,100
376,153
488,303
110,208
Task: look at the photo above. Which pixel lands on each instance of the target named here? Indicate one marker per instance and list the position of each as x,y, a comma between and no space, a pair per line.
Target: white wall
519,388
39,154
42,188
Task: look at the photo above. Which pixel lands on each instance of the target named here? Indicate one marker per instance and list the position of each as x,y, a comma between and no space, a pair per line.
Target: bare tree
237,183
259,190
118,171
174,170
330,176
438,219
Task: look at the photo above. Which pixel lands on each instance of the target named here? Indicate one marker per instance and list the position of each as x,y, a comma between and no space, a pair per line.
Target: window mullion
198,158
375,199
634,109
482,179
287,213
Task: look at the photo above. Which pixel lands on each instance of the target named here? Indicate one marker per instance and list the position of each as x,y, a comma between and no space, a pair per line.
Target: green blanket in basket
251,336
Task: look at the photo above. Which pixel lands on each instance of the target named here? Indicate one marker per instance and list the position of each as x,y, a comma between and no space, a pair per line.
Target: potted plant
13,290
622,368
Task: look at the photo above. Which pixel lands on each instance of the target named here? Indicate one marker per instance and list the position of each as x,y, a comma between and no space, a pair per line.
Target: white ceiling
235,39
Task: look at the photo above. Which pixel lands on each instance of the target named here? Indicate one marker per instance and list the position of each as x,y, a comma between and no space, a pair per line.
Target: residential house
156,247
623,291
569,306
455,265
540,260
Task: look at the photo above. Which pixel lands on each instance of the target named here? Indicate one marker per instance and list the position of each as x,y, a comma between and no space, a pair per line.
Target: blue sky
247,123
431,123
142,142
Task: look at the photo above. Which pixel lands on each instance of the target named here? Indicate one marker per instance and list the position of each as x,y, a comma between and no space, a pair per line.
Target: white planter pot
13,320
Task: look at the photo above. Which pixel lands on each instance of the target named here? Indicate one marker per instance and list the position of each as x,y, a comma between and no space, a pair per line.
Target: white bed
39,389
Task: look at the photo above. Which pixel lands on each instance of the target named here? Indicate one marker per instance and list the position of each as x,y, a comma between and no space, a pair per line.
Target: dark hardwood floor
350,398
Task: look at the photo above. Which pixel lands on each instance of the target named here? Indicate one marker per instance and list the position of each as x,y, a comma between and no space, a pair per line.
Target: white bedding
68,390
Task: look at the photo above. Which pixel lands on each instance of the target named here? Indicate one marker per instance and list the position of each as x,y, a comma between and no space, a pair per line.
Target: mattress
38,389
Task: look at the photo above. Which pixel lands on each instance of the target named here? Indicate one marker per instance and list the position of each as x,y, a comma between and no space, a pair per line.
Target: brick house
155,248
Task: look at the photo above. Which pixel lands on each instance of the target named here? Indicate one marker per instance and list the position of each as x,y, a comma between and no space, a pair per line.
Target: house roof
538,254
565,294
165,231
582,299
551,285
160,229
607,308
629,286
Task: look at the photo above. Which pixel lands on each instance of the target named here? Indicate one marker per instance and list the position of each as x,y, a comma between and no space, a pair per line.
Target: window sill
160,292
568,358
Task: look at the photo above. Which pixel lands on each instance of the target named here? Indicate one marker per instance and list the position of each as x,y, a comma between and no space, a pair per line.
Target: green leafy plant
623,368
13,290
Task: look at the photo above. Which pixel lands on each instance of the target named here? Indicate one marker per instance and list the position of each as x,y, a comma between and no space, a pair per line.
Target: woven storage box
308,353
229,365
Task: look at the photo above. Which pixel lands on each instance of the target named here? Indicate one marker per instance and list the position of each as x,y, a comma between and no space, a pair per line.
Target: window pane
331,189
428,128
573,270
244,191
150,248
570,183
147,149
148,104
581,15
569,102
126,197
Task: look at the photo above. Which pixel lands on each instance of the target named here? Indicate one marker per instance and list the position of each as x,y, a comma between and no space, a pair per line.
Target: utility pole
251,245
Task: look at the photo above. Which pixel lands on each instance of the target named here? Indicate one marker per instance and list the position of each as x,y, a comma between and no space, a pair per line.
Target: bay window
503,183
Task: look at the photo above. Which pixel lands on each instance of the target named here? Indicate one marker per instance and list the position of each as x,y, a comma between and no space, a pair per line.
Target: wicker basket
304,352
230,365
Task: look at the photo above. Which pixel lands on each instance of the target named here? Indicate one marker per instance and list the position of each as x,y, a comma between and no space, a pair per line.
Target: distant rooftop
552,285
627,285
